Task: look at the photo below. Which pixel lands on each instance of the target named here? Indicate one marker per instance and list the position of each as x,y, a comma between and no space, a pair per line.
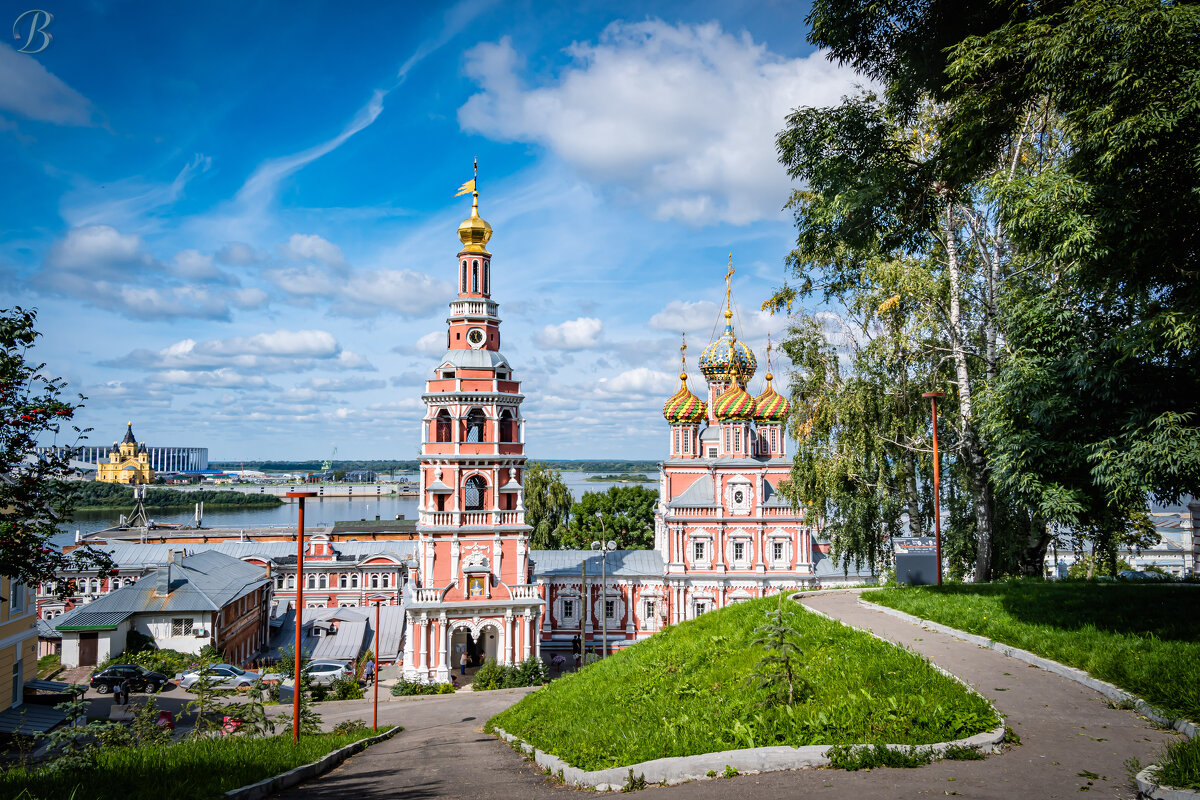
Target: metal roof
30,718
619,562
46,630
345,645
85,619
206,581
391,632
474,359
134,555
700,493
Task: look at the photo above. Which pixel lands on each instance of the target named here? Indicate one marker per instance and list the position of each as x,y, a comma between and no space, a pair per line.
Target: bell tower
474,591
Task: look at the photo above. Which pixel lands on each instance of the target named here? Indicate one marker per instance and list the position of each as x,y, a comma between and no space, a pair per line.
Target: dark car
140,679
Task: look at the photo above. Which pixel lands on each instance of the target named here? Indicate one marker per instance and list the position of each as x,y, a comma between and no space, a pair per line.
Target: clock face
475,337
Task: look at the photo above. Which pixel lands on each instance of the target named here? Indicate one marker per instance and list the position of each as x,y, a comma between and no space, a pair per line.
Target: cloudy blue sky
237,223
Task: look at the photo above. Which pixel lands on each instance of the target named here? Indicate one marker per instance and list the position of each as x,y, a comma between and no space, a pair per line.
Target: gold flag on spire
469,186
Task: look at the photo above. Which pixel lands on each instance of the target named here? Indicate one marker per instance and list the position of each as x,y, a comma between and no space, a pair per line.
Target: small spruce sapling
779,670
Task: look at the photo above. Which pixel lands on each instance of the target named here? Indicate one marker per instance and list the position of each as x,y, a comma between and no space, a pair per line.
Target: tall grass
1179,766
191,770
685,691
1143,638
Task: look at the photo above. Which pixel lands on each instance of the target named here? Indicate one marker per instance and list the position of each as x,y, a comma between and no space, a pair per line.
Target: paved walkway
1067,733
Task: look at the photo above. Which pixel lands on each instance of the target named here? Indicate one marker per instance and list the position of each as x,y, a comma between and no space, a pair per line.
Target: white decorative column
442,660
423,646
508,636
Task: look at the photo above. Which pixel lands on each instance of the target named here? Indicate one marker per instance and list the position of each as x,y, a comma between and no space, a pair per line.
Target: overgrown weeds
1179,765
856,757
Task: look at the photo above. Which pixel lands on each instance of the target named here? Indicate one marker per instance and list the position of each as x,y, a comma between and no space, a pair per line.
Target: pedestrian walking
462,663
369,670
122,693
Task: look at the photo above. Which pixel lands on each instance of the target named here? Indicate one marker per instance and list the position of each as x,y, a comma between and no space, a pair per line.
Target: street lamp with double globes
604,547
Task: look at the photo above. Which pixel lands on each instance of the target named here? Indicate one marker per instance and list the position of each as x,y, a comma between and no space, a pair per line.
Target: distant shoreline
630,478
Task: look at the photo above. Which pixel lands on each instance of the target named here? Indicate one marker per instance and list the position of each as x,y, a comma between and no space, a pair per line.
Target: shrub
346,688
405,688
492,675
350,726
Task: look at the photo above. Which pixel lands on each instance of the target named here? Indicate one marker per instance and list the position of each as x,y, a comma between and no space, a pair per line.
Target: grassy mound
1143,638
687,690
196,769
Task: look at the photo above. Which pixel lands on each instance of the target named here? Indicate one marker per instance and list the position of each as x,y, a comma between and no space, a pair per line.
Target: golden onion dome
770,407
474,231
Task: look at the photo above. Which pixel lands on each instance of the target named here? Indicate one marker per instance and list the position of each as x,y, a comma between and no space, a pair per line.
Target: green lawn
685,692
191,770
1143,638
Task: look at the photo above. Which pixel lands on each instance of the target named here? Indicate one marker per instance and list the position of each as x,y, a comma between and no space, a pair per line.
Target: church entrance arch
474,638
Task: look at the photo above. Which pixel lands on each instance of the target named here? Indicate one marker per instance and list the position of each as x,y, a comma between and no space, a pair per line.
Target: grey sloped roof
134,555
773,498
700,493
391,632
46,630
474,359
620,563
345,645
206,581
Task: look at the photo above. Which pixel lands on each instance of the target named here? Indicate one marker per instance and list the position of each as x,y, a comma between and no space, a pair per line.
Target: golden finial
769,375
683,356
729,290
474,232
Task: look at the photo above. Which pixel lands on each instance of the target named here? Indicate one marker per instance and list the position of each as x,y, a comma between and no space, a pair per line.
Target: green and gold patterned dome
684,408
770,406
733,403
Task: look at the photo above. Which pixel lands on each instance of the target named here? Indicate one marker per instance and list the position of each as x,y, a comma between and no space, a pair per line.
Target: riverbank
94,496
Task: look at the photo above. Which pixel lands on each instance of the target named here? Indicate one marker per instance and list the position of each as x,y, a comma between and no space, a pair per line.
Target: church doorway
486,643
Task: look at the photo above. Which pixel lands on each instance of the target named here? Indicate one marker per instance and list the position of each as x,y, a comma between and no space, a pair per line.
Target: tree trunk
972,447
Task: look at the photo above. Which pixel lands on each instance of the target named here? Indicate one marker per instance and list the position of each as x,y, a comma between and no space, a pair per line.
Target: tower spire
729,290
474,231
683,356
769,375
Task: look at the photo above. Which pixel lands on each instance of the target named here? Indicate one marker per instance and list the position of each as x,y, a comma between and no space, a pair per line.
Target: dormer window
449,374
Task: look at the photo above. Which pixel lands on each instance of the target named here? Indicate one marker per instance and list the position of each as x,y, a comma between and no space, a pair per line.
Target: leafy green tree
33,500
1106,315
547,505
624,514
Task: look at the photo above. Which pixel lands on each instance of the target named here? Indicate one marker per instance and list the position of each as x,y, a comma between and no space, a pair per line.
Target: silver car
324,673
221,676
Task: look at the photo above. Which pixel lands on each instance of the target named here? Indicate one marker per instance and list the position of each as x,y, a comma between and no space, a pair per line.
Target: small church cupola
129,437
684,411
727,355
770,413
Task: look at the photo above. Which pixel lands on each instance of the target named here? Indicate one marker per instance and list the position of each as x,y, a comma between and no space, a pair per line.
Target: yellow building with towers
128,462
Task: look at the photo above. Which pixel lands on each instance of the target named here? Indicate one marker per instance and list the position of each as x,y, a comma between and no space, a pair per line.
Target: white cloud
576,334
29,89
365,293
238,254
310,247
683,115
277,351
639,381
218,378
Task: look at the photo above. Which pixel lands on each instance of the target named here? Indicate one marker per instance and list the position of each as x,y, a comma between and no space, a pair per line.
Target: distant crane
327,465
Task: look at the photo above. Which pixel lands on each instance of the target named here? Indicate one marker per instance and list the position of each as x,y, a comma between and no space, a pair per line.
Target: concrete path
1068,736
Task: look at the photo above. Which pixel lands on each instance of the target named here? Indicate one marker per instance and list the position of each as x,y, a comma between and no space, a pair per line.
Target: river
317,512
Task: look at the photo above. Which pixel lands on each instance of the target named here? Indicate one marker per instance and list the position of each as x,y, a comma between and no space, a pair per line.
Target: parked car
140,679
223,676
1142,575
324,673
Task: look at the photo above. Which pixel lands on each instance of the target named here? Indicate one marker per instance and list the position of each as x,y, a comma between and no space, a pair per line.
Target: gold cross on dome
729,280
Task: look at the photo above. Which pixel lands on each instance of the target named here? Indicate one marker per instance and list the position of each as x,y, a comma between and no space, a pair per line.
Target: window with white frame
568,610
737,439
698,551
687,441
181,626
700,606
354,581
777,551
610,609
648,609
323,581
343,581
312,581
739,552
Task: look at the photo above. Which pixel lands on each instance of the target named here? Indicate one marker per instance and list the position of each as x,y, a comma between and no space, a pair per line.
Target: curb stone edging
679,769
1148,787
1186,727
286,780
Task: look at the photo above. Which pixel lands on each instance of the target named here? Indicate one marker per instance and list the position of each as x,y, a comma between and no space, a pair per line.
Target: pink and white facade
473,590
723,533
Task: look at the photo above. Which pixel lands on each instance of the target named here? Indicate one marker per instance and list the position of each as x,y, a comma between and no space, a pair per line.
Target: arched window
374,581
312,581
323,582
291,581
387,580
464,275
508,426
486,281
343,581
443,431
475,493
354,581
475,277
475,421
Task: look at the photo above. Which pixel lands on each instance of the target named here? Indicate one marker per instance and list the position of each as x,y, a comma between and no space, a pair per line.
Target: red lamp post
375,673
299,612
937,495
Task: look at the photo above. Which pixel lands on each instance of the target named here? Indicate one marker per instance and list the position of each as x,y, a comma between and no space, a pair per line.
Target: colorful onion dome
733,403
726,355
770,406
684,408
